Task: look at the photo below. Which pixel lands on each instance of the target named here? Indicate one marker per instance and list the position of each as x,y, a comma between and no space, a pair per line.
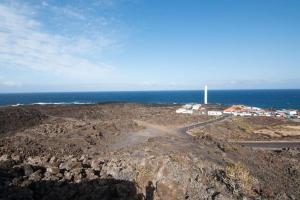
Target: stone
74,159
53,170
68,175
4,157
90,174
77,174
83,157
53,159
16,158
7,164
17,181
78,178
70,165
26,183
50,177
76,171
85,161
28,170
35,161
96,164
36,176
54,162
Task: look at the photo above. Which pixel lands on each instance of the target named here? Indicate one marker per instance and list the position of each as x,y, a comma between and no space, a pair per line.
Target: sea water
289,99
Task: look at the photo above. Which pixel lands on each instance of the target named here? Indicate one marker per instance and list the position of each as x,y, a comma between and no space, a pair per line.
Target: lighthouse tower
205,95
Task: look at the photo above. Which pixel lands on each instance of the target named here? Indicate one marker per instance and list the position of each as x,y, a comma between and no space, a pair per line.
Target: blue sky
102,45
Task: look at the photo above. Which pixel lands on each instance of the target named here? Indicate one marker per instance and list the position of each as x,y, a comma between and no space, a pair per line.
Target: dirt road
270,145
184,130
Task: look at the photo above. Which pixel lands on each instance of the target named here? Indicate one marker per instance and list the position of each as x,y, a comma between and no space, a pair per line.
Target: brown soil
132,151
251,128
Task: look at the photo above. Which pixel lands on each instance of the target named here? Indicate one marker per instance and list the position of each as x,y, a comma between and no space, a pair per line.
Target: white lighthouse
205,95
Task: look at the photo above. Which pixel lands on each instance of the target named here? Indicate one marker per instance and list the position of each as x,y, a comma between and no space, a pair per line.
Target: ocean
278,99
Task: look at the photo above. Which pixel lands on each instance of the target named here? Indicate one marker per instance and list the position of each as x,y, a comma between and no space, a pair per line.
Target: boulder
90,174
28,170
69,165
77,174
36,176
83,157
35,161
76,171
16,158
4,157
53,159
7,164
78,179
85,161
26,183
96,164
54,162
50,177
17,181
53,170
68,175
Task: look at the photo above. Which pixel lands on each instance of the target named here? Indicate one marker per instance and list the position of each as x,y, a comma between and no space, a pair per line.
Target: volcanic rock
28,170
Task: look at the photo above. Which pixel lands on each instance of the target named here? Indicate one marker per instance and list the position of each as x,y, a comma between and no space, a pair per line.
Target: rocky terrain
131,151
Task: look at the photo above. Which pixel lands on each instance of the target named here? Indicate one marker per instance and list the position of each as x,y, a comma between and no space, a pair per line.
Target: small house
215,113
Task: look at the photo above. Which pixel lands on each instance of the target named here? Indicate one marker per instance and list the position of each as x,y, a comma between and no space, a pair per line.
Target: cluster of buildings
244,111
189,108
235,110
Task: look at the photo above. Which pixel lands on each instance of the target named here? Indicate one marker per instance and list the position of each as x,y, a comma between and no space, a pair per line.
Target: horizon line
113,91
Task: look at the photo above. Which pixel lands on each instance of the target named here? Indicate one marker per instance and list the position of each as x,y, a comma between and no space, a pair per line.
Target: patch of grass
240,174
197,132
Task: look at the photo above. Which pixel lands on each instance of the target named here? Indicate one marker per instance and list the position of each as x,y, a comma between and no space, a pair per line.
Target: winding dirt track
266,145
184,130
153,130
269,145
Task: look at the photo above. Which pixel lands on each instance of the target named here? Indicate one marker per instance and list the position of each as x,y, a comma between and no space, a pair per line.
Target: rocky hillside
130,151
12,118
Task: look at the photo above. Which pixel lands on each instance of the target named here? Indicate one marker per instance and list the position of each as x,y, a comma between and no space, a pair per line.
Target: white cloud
10,84
24,44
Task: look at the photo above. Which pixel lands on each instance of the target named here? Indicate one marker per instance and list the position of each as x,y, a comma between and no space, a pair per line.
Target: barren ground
132,151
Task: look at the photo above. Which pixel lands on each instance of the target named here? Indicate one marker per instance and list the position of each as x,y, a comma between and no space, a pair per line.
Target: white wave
61,103
18,104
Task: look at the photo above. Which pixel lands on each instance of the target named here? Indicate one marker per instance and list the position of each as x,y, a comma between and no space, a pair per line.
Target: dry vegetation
250,128
240,174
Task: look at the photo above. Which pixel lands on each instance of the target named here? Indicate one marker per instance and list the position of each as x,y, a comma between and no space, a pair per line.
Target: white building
188,106
215,113
255,109
245,114
184,111
292,112
196,106
268,114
